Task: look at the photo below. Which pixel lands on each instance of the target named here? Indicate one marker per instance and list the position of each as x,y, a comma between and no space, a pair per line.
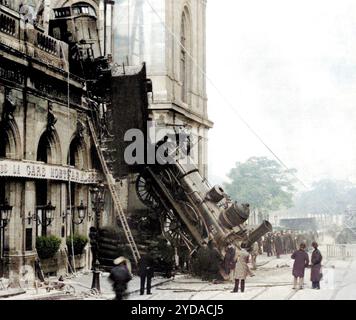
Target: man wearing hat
301,261
146,272
120,275
316,258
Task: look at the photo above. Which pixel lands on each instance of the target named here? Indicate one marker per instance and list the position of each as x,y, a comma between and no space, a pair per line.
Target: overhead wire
229,104
227,101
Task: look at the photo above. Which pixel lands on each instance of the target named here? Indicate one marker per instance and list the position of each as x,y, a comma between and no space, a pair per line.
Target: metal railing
341,250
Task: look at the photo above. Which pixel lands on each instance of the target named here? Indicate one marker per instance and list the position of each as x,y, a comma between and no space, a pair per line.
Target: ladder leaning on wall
114,194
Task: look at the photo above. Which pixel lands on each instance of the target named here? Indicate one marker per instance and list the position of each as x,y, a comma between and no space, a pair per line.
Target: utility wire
227,101
229,104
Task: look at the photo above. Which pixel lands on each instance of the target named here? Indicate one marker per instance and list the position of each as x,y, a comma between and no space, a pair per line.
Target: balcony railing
47,44
7,24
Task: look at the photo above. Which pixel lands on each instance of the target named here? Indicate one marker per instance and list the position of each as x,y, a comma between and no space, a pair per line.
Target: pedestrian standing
278,243
241,269
204,260
315,274
301,261
269,244
120,275
146,273
229,260
254,254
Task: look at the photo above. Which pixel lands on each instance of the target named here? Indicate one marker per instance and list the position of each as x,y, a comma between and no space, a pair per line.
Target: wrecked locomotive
191,212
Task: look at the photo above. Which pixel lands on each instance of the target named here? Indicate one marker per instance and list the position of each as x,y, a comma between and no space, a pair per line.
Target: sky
289,69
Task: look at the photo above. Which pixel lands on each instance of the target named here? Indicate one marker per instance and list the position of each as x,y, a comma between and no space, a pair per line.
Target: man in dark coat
146,271
269,243
229,263
204,259
120,275
315,274
215,261
278,244
301,261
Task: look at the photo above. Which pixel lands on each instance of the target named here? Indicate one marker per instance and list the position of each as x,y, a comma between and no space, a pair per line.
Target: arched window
9,140
4,142
184,58
42,186
44,148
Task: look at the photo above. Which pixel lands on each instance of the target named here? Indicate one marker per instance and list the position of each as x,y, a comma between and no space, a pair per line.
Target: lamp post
98,203
45,216
5,215
97,207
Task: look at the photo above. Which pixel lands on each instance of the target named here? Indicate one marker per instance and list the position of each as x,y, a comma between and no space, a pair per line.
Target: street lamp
98,202
5,214
81,211
47,213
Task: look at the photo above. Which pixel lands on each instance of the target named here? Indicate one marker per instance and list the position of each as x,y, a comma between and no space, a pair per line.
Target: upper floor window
62,12
83,8
184,57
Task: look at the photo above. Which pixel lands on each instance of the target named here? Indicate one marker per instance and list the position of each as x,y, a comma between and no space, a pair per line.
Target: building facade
170,36
48,164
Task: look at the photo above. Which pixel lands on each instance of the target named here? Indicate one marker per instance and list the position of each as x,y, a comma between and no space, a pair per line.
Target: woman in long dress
241,270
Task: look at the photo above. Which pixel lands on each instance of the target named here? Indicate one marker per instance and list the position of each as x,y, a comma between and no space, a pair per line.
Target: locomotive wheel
195,218
192,214
167,179
174,231
144,191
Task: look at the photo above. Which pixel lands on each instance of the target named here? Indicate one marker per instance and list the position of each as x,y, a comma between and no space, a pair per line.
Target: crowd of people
285,242
236,261
296,243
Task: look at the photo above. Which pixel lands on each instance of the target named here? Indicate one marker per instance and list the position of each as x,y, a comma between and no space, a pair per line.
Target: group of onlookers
301,262
285,242
236,261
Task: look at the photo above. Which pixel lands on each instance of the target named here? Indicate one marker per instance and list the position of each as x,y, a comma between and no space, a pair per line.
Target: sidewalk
83,283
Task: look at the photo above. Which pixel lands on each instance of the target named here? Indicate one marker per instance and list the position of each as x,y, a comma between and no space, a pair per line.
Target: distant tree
327,196
263,183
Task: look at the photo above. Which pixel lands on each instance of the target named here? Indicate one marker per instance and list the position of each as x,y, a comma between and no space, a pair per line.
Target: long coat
301,261
120,276
229,259
278,244
241,268
316,259
146,266
269,243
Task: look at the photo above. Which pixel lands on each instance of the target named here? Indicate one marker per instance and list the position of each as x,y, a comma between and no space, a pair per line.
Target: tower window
184,58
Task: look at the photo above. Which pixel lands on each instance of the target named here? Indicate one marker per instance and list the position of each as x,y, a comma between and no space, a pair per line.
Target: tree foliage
327,196
261,182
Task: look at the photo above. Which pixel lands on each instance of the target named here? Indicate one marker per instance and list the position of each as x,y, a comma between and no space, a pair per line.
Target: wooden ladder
114,194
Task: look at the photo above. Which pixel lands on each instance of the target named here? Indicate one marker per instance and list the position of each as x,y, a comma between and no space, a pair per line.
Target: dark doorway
2,200
73,160
3,146
42,186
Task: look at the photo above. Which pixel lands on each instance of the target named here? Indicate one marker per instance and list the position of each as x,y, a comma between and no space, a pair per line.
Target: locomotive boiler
191,210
